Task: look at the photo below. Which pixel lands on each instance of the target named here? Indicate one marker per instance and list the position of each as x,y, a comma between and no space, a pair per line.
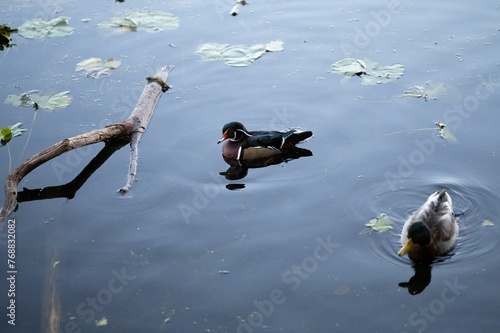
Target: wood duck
241,144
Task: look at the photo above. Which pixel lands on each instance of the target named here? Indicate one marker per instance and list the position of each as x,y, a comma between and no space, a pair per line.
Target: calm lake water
279,250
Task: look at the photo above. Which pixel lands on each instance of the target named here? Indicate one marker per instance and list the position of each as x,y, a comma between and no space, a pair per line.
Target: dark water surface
182,252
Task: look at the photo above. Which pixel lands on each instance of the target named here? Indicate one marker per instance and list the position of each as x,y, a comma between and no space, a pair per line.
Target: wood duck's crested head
234,131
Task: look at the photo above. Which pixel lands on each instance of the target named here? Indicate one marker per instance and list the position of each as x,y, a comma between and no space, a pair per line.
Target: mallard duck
432,230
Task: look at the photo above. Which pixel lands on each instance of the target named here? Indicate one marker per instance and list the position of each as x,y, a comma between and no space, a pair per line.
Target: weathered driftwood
133,126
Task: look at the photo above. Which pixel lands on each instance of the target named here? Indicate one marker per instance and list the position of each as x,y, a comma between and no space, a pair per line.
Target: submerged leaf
236,55
38,28
48,102
95,68
368,71
380,224
149,21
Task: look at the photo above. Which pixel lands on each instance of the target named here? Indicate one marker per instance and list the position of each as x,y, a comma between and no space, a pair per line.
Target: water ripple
473,202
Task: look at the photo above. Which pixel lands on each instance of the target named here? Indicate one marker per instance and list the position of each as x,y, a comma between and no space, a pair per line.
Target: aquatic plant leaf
149,21
47,102
38,28
96,68
5,40
7,133
380,224
445,133
487,223
102,322
368,71
430,90
236,55
275,46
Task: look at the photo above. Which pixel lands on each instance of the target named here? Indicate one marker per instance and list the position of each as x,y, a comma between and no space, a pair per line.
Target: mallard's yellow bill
406,248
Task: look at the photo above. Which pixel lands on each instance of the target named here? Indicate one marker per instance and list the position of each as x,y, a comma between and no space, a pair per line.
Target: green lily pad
47,102
38,28
96,68
7,133
380,224
150,21
368,71
236,55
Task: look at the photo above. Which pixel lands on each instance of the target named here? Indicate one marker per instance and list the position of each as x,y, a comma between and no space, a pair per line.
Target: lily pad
368,71
150,21
236,55
96,68
46,102
487,223
7,133
380,224
431,91
38,28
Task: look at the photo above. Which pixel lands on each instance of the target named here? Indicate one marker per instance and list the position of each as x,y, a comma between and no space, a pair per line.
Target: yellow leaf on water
102,322
487,223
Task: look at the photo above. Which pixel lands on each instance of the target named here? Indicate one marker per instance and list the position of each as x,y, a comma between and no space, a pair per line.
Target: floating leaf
33,99
149,21
5,40
38,28
274,46
7,133
431,91
445,133
102,322
487,223
236,55
380,224
95,68
368,71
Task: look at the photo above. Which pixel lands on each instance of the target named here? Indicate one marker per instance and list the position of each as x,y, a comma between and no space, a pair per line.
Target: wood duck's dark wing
276,139
264,139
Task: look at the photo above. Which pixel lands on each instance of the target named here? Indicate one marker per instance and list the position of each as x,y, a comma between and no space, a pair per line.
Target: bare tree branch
133,126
